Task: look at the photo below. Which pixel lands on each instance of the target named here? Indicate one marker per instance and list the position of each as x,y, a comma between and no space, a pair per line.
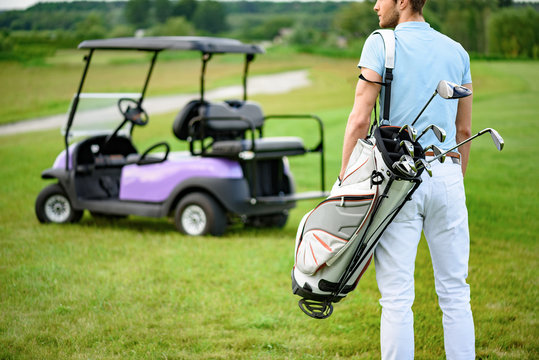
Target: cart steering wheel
132,111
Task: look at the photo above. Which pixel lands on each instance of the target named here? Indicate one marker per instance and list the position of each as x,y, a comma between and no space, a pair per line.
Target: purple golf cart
230,172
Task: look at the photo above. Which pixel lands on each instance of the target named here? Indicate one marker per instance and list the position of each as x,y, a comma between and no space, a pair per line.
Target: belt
454,156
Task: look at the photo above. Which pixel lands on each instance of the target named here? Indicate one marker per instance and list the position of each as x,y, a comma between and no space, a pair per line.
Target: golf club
438,132
498,141
423,163
406,166
412,132
404,169
408,146
446,90
438,153
410,161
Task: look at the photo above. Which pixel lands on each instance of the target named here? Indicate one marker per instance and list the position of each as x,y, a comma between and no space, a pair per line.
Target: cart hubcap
194,220
57,208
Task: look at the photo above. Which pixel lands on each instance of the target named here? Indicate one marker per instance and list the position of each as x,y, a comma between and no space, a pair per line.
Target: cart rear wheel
199,214
53,206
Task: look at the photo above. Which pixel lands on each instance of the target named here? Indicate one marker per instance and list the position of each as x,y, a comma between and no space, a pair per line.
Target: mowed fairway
137,289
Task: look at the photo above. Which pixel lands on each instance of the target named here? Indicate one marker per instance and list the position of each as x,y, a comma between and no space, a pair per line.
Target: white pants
439,208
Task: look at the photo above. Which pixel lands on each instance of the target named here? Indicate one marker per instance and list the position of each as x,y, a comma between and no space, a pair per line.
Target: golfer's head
390,11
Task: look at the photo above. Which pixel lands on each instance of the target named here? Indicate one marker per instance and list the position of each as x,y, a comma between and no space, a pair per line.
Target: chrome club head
422,163
410,161
408,146
439,153
404,168
410,130
438,132
498,140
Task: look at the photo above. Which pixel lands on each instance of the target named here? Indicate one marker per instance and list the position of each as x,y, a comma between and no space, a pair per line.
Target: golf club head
404,168
408,146
449,90
410,161
411,131
422,163
438,132
498,140
438,153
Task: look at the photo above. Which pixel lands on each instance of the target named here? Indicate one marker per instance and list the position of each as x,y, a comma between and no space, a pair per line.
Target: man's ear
403,4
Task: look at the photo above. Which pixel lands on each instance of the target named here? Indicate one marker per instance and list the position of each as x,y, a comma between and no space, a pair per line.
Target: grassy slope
137,289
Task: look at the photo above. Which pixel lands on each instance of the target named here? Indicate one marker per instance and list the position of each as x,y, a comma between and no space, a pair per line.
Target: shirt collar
413,25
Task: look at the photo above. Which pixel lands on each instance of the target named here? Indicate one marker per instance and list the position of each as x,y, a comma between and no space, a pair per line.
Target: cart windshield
97,114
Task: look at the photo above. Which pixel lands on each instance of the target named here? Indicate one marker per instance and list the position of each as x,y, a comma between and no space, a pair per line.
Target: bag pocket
316,248
328,228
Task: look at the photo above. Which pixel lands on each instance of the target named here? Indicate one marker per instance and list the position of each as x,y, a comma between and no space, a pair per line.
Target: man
423,57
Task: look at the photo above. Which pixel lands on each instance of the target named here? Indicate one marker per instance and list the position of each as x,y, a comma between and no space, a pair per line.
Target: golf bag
336,240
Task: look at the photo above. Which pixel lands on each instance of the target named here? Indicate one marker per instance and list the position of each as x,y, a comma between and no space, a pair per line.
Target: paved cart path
262,84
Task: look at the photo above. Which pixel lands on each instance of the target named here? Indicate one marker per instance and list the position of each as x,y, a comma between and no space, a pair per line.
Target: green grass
135,288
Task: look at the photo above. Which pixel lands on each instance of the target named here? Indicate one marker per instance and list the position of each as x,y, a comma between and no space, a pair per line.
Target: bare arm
463,123
359,119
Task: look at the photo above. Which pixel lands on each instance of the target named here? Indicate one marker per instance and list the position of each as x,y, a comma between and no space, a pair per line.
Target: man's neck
406,17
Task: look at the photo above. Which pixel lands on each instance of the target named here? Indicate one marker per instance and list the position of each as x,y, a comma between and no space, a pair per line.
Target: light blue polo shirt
423,57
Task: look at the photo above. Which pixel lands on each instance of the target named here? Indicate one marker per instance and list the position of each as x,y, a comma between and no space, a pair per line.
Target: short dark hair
417,5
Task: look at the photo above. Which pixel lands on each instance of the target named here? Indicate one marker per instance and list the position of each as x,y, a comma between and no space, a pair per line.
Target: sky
23,4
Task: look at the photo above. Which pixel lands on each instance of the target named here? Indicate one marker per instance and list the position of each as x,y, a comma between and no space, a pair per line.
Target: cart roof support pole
248,59
154,57
87,58
205,58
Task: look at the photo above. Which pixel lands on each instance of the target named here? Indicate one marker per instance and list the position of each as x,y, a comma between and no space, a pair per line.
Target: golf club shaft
424,107
458,145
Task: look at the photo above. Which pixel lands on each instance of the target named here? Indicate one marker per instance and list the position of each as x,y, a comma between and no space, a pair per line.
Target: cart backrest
222,120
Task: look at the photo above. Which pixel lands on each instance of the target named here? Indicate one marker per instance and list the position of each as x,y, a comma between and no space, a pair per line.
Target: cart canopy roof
157,43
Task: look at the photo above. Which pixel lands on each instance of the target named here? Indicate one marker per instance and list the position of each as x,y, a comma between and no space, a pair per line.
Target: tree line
496,28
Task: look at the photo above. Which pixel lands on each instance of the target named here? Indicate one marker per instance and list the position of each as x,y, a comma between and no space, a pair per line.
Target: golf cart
231,171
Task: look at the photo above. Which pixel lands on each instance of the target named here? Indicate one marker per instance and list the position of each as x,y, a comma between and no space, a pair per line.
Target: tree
356,20
137,12
174,26
210,16
162,10
185,8
268,29
92,27
514,33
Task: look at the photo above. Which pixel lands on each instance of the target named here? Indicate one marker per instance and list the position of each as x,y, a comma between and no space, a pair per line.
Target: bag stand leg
316,309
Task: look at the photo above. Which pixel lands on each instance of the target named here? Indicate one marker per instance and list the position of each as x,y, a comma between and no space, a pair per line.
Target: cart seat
230,125
264,147
222,120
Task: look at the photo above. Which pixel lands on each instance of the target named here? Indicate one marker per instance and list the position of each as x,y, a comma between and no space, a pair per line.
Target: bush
174,26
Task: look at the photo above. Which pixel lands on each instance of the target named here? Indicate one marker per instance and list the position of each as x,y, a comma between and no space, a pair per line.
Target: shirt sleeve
373,54
467,76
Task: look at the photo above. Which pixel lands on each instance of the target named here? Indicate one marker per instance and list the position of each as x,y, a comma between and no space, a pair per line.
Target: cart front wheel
53,206
199,214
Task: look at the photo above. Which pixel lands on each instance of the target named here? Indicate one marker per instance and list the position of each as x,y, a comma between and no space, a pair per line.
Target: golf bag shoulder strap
388,37
389,44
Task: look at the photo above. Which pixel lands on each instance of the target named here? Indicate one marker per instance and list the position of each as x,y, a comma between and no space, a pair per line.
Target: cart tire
199,214
53,206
